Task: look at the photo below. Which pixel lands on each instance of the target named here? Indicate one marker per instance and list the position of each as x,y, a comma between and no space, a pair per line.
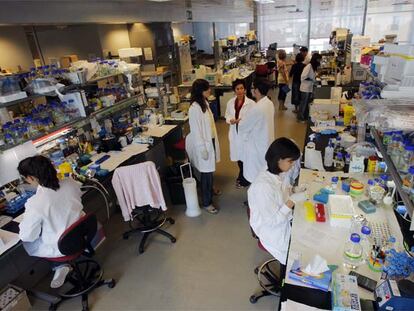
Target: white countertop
311,238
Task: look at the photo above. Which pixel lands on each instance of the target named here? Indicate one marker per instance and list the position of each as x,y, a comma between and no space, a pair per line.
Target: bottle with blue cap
353,252
366,242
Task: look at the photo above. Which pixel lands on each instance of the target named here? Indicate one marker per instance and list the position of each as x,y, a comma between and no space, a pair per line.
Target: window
390,17
283,22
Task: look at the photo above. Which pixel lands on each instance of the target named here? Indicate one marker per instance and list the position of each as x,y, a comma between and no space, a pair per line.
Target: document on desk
8,240
159,131
117,157
290,305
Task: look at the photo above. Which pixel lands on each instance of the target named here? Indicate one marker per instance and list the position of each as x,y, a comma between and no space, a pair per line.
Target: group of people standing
267,166
303,74
251,131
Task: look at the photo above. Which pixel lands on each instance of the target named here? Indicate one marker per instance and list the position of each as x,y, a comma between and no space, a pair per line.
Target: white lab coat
269,216
306,86
258,132
200,139
235,140
48,214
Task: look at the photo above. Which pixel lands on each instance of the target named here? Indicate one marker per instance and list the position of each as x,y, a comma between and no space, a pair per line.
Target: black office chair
268,279
148,220
86,274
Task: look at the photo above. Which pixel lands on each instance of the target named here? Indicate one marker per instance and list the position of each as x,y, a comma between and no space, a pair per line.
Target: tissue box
341,210
345,293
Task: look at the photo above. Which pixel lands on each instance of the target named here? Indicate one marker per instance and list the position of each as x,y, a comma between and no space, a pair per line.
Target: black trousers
207,189
295,94
242,181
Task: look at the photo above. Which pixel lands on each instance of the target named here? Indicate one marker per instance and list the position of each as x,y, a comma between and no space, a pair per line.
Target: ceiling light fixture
159,0
265,1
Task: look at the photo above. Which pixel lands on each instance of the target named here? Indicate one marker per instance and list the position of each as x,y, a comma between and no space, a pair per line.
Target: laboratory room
207,155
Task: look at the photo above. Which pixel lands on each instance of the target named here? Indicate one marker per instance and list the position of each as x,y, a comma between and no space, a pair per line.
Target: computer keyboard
4,220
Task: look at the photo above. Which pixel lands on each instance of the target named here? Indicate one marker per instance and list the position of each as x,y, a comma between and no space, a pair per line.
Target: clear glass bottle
408,180
406,158
353,252
366,242
396,150
339,163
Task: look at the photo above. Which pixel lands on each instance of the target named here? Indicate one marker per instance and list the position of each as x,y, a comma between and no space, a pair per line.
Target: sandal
211,209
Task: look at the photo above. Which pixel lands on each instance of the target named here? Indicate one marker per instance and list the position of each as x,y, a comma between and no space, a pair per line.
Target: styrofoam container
341,209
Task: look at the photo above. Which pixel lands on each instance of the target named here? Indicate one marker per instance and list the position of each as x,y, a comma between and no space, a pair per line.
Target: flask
353,253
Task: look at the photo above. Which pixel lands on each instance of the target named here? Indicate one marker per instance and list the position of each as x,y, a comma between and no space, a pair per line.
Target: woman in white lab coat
270,200
257,131
237,109
202,143
55,206
307,81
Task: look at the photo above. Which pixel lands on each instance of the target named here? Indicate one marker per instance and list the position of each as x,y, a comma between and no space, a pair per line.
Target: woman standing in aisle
202,143
308,79
282,79
257,130
295,73
237,108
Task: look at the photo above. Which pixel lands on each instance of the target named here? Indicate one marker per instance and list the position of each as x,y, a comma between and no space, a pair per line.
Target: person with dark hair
282,78
307,81
202,143
304,51
295,73
55,206
271,198
237,108
257,130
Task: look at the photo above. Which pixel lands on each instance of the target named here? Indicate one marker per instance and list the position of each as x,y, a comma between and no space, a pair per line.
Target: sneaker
59,278
211,209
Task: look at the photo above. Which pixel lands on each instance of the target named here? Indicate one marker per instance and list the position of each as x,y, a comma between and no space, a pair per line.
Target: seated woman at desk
270,199
55,206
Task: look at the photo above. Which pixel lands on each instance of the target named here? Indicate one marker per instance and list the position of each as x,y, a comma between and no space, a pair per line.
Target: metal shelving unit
21,100
394,173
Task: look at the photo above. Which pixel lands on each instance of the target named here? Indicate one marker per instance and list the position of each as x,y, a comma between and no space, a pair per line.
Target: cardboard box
13,298
66,60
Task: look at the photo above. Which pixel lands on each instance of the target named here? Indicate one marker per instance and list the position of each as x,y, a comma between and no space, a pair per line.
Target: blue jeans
303,113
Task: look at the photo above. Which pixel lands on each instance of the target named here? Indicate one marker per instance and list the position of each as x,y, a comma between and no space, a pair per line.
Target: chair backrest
77,237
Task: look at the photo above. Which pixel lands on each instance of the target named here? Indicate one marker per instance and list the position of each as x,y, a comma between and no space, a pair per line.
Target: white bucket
190,192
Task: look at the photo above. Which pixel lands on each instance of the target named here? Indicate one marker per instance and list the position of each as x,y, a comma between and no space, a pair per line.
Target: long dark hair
199,86
41,168
282,148
315,61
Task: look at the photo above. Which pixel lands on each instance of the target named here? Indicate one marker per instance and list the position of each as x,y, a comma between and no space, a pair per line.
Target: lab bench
311,238
17,267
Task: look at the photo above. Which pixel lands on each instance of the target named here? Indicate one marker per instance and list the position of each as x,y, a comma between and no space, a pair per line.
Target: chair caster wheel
253,299
112,284
256,270
125,236
141,250
52,307
173,240
171,221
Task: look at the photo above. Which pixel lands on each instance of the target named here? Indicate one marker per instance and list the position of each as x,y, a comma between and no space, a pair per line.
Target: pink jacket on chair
138,185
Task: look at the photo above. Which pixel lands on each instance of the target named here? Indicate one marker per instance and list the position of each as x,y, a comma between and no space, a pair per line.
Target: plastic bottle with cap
329,153
366,241
353,252
334,182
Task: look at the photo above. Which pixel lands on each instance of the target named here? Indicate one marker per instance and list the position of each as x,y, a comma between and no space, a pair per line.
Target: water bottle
329,153
366,242
353,253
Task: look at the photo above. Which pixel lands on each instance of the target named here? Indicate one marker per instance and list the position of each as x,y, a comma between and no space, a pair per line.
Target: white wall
113,38
14,49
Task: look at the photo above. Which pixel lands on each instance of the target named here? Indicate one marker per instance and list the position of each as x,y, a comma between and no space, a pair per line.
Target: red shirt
237,107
